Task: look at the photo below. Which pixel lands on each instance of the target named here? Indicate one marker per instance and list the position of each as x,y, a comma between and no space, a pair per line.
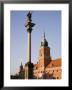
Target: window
57,70
52,64
57,77
35,68
41,65
41,71
53,70
46,71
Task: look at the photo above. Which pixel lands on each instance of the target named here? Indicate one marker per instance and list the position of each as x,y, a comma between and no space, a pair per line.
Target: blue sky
46,21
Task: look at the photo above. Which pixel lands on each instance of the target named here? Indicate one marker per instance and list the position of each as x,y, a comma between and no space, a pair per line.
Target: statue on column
29,15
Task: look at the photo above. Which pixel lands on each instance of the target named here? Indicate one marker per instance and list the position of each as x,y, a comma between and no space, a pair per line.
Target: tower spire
21,63
44,42
44,35
21,66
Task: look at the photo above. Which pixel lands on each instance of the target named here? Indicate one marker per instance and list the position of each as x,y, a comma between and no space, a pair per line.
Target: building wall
44,56
54,72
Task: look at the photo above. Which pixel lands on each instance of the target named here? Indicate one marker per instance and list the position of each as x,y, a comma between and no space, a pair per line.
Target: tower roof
54,63
21,65
44,41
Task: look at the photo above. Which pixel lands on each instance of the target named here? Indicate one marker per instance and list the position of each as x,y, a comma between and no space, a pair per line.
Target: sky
46,21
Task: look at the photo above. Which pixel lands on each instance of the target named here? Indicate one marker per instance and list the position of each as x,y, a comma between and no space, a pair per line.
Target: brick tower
44,53
43,60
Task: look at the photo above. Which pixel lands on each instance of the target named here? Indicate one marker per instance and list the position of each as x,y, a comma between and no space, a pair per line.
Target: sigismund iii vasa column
29,64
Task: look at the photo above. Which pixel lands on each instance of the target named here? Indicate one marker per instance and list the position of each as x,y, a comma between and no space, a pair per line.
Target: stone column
29,47
29,64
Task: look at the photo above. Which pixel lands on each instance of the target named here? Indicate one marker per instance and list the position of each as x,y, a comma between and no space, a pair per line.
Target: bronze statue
29,15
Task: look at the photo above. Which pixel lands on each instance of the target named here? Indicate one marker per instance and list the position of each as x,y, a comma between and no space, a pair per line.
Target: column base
29,70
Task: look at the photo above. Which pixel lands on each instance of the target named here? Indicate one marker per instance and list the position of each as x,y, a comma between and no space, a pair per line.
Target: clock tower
44,53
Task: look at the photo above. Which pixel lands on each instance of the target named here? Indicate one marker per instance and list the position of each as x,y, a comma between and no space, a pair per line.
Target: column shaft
29,47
